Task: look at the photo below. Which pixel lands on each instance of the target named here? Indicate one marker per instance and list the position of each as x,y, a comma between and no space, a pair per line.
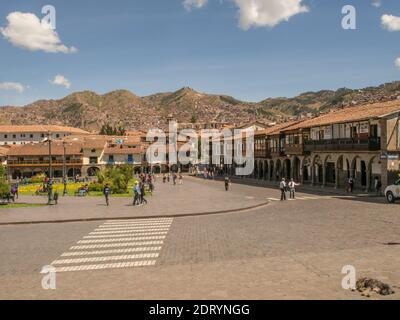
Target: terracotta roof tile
357,113
41,129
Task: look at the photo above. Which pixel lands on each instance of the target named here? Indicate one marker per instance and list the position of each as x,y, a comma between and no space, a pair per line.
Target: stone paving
286,250
193,197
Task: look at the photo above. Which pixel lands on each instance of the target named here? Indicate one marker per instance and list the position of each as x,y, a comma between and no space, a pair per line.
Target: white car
392,192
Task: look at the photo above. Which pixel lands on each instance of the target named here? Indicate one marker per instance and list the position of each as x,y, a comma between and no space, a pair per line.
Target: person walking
282,187
55,198
377,186
180,178
164,178
142,194
351,184
16,190
227,182
292,189
107,192
136,193
174,178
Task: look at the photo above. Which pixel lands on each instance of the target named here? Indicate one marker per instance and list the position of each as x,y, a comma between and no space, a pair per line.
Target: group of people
139,189
177,178
288,187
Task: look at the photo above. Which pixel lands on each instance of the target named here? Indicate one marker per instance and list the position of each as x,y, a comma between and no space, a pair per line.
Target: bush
4,188
39,178
95,186
117,177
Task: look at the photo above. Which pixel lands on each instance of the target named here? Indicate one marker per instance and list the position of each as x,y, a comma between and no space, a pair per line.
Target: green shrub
95,186
39,178
4,188
117,177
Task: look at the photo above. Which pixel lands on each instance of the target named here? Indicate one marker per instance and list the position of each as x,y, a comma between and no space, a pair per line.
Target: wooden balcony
294,149
43,163
371,144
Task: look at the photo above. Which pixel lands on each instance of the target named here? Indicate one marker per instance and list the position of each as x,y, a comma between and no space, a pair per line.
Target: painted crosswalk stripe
135,225
142,263
107,258
124,235
129,231
121,239
137,221
273,199
115,251
116,245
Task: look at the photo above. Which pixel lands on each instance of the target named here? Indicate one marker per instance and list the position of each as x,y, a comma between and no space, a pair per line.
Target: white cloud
267,13
190,4
25,30
60,80
377,3
12,86
397,62
390,22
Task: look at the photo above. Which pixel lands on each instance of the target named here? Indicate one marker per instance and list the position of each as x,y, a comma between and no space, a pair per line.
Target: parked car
392,192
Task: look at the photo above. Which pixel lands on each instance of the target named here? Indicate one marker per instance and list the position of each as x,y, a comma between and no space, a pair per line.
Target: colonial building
16,135
362,142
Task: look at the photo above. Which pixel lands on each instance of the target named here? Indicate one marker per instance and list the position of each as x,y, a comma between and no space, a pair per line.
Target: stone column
312,175
337,176
369,172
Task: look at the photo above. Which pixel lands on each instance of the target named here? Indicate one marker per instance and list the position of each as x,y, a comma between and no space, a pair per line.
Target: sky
249,49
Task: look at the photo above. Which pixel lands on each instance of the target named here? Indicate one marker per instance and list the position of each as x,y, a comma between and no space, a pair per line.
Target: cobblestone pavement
194,196
287,250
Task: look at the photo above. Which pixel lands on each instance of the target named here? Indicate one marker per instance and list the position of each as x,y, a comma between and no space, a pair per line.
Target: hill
89,110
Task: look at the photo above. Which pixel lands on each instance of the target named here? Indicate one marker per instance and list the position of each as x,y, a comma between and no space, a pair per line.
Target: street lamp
64,169
50,156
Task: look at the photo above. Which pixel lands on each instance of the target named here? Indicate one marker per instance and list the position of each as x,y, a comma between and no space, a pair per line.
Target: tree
4,186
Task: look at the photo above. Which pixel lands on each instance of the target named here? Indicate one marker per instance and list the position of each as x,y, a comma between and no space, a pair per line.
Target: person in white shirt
283,187
292,188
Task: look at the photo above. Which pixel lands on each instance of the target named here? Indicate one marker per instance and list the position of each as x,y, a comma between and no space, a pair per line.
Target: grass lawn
20,205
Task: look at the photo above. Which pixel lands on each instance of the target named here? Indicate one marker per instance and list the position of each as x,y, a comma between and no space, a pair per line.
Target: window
5,136
93,160
14,136
57,135
31,136
111,158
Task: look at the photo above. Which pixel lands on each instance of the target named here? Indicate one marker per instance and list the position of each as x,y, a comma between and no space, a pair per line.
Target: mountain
89,110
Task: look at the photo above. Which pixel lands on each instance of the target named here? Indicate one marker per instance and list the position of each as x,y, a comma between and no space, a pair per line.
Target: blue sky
149,46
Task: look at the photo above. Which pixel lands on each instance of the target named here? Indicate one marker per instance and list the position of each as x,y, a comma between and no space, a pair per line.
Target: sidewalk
302,188
194,197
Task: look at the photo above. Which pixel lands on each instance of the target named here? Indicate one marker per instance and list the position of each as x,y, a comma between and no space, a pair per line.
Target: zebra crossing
117,244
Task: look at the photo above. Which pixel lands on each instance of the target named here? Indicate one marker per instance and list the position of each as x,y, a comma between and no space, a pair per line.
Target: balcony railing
43,162
294,149
371,144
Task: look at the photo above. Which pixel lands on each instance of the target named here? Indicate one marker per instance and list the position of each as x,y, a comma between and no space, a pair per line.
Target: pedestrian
169,177
282,187
227,183
107,192
377,186
351,184
16,190
164,178
136,192
180,179
55,197
292,189
174,178
49,192
142,193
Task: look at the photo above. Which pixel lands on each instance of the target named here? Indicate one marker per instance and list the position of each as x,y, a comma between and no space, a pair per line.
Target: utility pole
50,156
65,169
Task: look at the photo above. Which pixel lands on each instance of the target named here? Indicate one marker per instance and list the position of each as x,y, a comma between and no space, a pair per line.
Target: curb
137,218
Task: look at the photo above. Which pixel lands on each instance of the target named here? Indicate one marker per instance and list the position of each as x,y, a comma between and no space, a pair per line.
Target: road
286,250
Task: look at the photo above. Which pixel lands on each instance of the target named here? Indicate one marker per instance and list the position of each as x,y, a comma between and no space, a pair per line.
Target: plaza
196,241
